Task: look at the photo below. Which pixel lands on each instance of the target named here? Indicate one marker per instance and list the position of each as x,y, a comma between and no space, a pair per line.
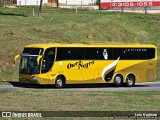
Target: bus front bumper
28,81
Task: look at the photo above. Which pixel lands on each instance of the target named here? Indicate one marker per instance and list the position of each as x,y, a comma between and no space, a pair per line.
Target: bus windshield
28,63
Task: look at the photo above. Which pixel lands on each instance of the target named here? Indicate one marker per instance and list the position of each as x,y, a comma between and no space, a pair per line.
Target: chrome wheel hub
118,80
59,82
130,81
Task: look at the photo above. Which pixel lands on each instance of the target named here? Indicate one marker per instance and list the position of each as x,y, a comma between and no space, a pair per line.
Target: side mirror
16,57
38,59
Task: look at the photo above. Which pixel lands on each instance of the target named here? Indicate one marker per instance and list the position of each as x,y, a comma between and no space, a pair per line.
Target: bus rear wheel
60,82
118,80
130,81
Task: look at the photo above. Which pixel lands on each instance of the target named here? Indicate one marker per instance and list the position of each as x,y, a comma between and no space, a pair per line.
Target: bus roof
48,45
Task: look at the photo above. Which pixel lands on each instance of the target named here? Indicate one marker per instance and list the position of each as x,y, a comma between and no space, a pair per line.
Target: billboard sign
128,3
30,2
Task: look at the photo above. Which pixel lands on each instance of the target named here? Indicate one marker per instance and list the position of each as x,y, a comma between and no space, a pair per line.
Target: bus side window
131,53
142,54
119,52
50,54
150,53
91,53
48,60
77,53
63,54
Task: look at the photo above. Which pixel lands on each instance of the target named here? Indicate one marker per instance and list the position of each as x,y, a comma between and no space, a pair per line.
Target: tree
40,8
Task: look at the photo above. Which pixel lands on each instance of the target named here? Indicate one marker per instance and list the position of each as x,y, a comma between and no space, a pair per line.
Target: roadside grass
158,71
60,100
19,28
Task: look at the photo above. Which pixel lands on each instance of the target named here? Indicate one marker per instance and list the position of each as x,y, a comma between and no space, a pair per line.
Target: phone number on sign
131,4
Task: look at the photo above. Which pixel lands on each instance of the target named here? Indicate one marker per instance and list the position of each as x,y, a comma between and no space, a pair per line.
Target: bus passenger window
77,53
131,53
142,54
150,53
63,54
119,52
91,53
48,60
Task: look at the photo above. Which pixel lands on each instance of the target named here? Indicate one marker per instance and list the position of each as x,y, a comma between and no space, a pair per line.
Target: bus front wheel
118,80
60,82
130,81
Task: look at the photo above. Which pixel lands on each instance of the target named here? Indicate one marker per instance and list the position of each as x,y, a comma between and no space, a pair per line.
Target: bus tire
118,80
130,80
60,82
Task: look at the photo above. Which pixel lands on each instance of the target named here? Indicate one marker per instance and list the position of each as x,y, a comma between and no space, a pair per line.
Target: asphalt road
147,86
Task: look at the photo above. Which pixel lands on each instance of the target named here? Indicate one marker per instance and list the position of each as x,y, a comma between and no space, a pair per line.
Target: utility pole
145,10
57,3
40,8
99,2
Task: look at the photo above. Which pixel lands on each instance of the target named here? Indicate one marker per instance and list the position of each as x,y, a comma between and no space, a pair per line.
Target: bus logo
80,64
105,54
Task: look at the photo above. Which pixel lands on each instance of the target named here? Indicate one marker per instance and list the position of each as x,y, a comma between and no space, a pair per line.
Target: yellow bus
60,64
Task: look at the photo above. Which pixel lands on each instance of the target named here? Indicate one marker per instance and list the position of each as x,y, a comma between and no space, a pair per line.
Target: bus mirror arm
16,57
38,59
